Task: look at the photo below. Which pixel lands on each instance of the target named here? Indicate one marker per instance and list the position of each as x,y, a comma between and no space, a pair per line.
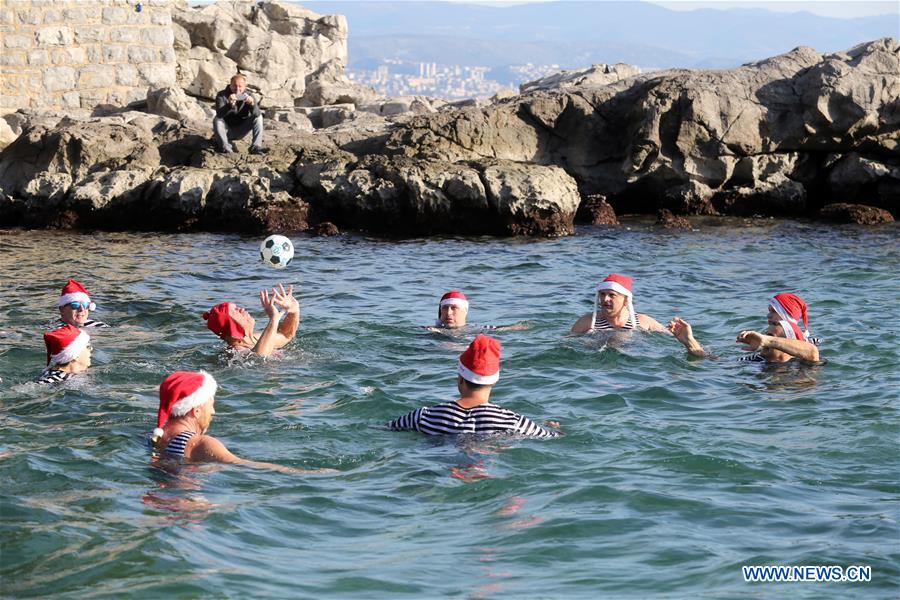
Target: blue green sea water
674,473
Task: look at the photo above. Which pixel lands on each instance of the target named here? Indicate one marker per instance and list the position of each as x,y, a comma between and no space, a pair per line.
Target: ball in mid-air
276,251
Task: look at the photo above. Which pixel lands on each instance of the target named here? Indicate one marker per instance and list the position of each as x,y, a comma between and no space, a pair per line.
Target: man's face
84,359
238,86
611,303
774,327
773,324
74,313
452,316
242,318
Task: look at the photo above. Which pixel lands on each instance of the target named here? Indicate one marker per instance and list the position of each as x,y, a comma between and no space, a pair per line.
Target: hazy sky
826,8
834,8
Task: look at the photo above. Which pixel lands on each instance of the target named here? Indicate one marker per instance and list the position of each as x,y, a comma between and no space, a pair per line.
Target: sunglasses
79,305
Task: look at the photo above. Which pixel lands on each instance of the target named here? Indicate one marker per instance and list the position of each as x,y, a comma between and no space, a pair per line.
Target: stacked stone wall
68,54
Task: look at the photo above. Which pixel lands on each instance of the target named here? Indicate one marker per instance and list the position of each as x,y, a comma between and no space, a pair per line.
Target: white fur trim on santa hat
72,351
456,302
788,329
470,375
201,396
76,297
614,286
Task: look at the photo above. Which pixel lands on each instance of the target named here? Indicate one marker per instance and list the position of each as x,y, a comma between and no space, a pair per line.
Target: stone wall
66,54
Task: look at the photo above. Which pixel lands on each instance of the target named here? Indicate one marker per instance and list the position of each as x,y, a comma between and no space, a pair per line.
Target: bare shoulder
583,325
209,449
648,323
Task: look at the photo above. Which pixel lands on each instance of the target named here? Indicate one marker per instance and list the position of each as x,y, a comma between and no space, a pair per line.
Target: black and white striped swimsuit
450,418
89,323
600,324
51,375
176,445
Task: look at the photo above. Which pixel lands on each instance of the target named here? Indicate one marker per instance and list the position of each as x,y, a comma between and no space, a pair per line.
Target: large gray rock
389,107
763,125
784,136
283,49
7,135
402,196
74,149
172,102
97,190
596,75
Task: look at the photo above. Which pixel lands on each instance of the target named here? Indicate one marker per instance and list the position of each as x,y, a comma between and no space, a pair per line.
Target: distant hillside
576,34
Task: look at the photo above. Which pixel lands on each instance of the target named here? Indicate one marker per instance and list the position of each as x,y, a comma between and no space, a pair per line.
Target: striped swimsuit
176,445
601,324
451,418
87,324
51,375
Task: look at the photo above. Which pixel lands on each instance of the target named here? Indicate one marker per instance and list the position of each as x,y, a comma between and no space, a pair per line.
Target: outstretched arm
683,332
520,326
753,340
209,449
287,329
267,341
648,323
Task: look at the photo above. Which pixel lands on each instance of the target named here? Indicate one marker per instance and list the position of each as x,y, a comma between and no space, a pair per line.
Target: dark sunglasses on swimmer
79,305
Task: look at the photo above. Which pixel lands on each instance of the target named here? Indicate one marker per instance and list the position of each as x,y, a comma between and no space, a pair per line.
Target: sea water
674,472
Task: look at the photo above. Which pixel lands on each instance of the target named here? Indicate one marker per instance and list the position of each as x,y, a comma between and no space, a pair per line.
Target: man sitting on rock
783,341
453,309
237,113
478,371
236,327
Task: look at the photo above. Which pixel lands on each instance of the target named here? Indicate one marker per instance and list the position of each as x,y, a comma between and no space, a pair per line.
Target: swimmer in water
453,310
236,327
477,372
74,307
68,353
186,409
783,341
614,309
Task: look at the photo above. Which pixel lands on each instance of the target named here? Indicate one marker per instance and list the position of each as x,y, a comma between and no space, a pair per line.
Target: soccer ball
276,251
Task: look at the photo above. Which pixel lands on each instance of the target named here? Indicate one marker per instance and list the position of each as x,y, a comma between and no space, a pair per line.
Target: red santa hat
620,284
73,291
454,298
219,321
179,393
65,344
792,308
480,363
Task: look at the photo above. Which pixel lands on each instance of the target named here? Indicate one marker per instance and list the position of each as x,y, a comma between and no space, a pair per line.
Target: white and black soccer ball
276,251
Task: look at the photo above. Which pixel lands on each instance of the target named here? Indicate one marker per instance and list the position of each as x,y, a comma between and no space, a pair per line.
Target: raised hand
285,298
682,330
752,340
270,304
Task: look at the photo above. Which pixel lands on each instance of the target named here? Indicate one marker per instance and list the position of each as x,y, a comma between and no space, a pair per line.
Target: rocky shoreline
797,135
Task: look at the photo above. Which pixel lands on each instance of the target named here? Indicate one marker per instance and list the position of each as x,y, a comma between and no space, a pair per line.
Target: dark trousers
224,132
